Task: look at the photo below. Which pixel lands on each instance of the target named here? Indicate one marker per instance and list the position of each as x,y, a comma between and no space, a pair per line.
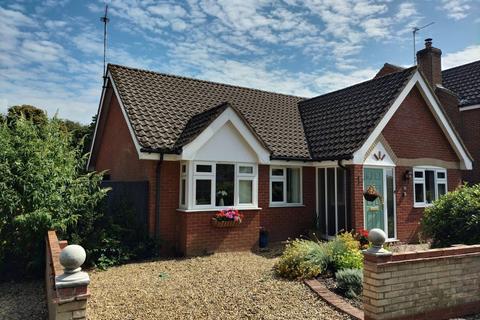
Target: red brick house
288,163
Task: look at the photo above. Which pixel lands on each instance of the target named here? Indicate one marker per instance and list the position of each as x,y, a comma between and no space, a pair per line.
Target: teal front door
374,210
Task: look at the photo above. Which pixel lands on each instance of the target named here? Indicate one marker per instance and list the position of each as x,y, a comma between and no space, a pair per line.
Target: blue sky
51,51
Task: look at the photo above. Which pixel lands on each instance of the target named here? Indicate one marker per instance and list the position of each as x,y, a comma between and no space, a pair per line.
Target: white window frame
437,181
183,176
192,176
283,179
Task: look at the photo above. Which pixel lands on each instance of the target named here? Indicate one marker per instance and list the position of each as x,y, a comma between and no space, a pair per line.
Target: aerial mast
105,21
414,31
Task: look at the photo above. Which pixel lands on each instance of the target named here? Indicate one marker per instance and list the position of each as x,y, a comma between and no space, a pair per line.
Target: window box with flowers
227,218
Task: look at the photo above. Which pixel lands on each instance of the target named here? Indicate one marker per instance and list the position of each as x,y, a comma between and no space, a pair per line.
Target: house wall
197,235
412,134
117,155
471,138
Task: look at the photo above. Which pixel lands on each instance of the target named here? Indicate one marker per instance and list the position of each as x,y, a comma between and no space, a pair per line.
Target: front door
374,210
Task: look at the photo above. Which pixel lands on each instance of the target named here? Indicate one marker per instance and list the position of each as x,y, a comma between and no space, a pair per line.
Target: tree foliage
28,112
41,187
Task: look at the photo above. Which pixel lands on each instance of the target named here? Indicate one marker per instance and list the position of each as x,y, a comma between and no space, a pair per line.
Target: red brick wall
286,222
414,133
198,236
471,138
356,196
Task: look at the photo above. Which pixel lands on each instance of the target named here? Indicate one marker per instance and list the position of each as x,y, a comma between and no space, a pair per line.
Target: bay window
215,185
429,184
285,186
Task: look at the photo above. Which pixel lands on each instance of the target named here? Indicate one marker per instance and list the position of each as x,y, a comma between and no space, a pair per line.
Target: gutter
158,170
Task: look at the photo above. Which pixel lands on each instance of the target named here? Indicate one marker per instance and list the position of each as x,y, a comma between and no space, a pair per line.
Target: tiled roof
465,82
159,106
338,123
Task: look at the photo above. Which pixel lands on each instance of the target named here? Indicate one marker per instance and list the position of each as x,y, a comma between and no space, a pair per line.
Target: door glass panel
277,172
204,168
390,203
321,223
332,230
374,210
225,184
341,202
429,186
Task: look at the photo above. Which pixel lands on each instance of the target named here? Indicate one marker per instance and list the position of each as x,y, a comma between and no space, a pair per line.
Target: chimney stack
429,61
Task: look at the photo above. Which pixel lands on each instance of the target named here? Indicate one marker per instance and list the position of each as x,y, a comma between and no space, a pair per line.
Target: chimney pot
428,43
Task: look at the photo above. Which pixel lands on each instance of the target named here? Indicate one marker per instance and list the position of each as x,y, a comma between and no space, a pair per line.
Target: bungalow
288,163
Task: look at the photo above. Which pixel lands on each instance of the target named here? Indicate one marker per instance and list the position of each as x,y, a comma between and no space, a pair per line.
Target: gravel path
23,300
221,286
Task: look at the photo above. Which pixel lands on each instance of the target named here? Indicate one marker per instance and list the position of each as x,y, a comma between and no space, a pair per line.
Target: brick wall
63,303
471,138
286,222
198,236
434,284
413,132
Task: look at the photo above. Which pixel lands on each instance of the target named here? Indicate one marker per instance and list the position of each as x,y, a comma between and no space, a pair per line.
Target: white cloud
456,9
406,10
467,55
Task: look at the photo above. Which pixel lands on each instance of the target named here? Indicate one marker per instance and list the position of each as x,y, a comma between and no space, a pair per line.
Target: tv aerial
414,31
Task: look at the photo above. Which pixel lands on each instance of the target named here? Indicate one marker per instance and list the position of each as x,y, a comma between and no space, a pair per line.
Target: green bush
350,282
41,188
345,253
454,218
302,259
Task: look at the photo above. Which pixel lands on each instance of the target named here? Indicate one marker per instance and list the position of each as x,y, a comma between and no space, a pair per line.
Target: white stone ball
377,237
72,256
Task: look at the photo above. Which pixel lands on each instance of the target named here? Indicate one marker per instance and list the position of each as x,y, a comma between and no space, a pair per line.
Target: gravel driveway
221,286
23,300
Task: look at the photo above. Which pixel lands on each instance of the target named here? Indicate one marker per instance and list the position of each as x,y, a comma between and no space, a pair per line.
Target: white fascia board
100,106
476,106
417,79
228,114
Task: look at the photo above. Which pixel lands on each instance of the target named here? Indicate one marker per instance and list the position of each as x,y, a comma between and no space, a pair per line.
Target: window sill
218,209
422,205
286,205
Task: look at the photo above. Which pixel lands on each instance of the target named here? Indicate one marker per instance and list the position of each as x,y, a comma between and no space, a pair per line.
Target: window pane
184,168
332,230
390,206
203,190
341,203
419,192
418,174
429,186
225,177
245,191
293,185
442,189
321,201
441,175
277,191
182,191
204,168
245,169
277,172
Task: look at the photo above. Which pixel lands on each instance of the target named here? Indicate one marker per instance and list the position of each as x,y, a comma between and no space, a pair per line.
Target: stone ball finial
377,237
72,257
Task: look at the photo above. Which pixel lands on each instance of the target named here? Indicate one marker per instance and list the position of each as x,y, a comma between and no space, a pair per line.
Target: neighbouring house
289,164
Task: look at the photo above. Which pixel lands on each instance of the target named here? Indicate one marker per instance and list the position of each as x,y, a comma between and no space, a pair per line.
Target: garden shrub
41,188
302,259
454,218
345,252
350,282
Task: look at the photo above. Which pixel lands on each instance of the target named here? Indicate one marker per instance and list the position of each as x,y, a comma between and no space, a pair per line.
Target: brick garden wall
64,303
434,284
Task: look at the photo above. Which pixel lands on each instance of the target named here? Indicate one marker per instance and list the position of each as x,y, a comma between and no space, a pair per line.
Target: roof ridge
357,85
462,65
205,81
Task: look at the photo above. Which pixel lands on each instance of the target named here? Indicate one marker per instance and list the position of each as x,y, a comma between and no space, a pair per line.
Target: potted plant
227,218
371,194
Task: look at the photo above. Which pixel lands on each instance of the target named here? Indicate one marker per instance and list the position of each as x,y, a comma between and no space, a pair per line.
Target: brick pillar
356,193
